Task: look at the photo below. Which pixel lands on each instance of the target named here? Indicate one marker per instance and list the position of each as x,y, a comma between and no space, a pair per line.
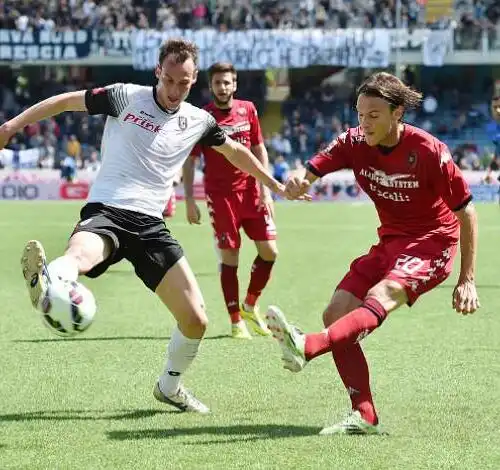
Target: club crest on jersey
183,122
241,111
412,160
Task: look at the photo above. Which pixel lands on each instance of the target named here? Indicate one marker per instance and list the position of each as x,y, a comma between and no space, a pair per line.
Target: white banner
20,159
435,47
115,43
119,43
264,49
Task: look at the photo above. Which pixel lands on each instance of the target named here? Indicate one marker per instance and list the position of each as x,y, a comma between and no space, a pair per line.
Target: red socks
342,339
261,272
346,331
353,370
230,289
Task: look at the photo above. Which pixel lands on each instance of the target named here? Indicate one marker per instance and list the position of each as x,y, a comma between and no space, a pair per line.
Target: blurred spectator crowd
74,135
77,136
311,119
464,121
122,15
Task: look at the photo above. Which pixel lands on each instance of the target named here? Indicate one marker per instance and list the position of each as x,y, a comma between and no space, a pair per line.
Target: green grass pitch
86,403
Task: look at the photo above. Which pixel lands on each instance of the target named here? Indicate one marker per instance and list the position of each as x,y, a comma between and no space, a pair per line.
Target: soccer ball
68,308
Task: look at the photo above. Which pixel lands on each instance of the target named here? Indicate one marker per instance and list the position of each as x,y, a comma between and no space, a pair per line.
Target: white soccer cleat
183,400
353,423
36,275
290,338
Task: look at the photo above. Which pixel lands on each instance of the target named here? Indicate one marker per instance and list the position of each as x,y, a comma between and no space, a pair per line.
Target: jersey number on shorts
408,264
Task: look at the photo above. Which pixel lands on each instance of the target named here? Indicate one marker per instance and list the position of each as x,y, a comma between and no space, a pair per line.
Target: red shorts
228,213
418,265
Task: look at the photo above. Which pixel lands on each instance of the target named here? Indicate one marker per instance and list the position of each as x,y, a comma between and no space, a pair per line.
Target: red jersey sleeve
448,179
255,131
332,158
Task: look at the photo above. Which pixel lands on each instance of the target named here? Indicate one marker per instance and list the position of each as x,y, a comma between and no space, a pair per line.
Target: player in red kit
424,206
235,200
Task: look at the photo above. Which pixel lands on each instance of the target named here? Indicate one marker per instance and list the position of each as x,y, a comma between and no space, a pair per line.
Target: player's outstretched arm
193,213
465,298
245,160
72,101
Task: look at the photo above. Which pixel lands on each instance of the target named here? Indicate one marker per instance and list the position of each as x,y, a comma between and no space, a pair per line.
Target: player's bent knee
390,294
196,322
193,324
179,291
272,255
85,263
332,314
89,249
269,256
230,256
268,251
341,304
200,319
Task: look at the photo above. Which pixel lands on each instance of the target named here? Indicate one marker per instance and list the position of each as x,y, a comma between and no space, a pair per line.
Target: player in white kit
148,135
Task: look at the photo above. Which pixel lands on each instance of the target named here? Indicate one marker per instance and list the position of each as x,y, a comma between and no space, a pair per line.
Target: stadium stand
310,120
236,14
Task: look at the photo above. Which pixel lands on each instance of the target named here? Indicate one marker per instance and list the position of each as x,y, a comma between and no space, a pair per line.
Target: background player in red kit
235,201
424,207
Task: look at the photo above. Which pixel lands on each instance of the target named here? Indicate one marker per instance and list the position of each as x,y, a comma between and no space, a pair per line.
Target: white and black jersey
144,146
